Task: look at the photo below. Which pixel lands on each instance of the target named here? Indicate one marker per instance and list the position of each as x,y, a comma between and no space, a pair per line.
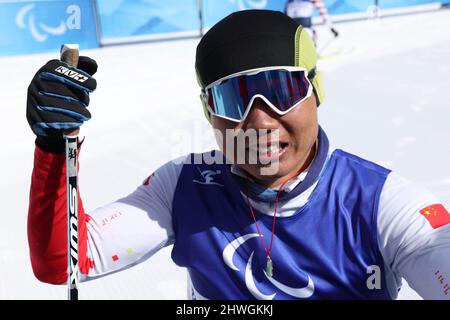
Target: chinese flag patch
436,215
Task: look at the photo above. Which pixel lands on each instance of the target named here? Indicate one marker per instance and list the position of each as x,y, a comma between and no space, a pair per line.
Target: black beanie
246,40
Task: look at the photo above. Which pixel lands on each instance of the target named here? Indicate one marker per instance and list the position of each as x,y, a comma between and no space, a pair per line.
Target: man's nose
261,116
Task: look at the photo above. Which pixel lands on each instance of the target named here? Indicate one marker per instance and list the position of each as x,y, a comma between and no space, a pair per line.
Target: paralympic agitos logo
250,4
232,247
28,19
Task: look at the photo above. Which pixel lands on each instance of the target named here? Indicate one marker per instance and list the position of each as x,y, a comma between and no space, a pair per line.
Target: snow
387,101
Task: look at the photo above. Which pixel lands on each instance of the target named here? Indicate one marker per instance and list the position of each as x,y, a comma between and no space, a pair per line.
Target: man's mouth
265,153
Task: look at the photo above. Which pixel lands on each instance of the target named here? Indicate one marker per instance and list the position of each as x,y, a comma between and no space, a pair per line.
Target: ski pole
70,54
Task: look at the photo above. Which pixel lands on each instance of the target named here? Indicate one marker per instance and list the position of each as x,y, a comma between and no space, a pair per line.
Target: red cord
274,219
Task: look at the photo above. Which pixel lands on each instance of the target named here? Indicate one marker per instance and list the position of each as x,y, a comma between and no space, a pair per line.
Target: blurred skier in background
302,10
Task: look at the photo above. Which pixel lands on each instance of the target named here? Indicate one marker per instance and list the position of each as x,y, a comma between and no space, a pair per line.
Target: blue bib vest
324,251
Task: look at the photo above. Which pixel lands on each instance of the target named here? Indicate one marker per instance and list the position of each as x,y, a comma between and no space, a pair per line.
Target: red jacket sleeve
47,220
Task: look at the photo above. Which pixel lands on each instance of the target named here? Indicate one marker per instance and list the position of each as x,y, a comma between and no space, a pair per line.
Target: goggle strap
312,74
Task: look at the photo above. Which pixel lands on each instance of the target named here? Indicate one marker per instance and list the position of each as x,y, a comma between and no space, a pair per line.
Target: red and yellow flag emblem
436,215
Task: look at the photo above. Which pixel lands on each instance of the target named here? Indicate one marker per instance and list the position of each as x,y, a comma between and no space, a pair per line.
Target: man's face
297,133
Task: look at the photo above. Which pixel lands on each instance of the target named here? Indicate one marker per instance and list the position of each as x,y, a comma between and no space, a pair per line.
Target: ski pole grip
70,54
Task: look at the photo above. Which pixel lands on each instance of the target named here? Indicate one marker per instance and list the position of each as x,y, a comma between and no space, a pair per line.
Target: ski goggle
282,88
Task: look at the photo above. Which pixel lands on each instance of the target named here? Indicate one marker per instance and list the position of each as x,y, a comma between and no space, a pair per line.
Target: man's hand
58,97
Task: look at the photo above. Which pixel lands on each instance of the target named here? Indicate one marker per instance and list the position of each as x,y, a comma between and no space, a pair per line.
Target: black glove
335,32
57,99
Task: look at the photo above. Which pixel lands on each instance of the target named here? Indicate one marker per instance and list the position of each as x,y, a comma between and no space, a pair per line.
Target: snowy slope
387,100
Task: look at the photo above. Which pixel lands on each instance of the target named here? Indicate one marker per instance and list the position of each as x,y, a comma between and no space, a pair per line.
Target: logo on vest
231,248
208,177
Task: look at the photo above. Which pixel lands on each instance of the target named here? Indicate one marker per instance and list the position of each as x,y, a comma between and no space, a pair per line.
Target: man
303,221
302,10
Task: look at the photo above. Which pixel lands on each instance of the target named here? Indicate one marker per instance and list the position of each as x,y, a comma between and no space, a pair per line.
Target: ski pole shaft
70,54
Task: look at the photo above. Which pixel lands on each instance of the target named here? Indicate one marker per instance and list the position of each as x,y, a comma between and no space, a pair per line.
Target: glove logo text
71,74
